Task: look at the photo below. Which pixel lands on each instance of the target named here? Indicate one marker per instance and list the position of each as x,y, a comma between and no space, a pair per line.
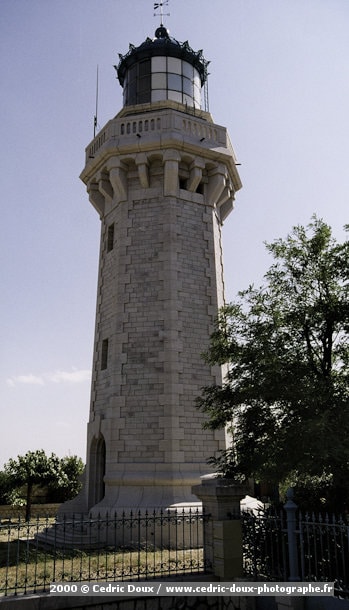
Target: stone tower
162,176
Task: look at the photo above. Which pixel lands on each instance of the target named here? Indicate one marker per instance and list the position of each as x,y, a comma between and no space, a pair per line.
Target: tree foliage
36,468
285,397
68,484
5,488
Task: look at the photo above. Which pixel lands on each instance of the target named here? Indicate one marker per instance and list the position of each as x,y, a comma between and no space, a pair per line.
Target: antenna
95,122
159,6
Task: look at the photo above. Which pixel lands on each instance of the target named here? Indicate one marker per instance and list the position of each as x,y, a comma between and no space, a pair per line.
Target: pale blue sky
279,81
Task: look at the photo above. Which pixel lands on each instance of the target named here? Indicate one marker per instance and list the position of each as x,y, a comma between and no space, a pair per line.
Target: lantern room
162,69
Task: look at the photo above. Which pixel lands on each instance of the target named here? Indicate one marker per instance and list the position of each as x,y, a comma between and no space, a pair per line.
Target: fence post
223,530
291,508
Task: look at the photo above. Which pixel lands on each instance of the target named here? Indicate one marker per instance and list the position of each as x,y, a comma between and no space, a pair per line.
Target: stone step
58,536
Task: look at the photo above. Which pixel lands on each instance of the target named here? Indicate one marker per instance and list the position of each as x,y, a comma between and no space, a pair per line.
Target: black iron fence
164,544
133,546
289,545
265,554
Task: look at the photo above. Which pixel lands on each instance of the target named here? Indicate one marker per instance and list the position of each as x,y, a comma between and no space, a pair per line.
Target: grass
27,568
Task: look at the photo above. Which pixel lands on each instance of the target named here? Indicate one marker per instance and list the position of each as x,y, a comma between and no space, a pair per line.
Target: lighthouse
162,176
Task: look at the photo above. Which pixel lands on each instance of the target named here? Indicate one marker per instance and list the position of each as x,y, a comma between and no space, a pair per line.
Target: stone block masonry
158,294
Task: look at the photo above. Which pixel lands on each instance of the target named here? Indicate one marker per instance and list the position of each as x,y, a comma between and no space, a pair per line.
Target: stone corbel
225,204
96,197
195,175
104,185
216,183
118,178
226,208
143,169
171,160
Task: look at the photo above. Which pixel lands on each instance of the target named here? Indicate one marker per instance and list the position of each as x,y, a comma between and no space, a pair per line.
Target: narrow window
110,238
104,359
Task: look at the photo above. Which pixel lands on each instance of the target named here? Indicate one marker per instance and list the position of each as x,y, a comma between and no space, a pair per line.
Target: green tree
33,468
68,484
285,397
60,476
5,488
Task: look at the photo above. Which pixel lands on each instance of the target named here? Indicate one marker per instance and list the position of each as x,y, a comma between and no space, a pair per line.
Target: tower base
139,490
135,513
142,499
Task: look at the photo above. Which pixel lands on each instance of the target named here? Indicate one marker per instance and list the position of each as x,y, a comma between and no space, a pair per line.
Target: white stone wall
157,302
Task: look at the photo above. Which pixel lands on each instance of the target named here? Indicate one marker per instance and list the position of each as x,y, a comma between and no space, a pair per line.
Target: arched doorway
97,470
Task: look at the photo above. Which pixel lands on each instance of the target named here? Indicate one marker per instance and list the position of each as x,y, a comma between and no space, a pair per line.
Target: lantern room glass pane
174,81
197,79
158,95
132,73
144,67
187,86
187,99
158,64
143,97
197,97
197,93
132,93
175,95
188,70
158,80
174,65
144,84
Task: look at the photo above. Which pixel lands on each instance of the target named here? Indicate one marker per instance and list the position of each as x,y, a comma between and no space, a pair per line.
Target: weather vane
158,6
